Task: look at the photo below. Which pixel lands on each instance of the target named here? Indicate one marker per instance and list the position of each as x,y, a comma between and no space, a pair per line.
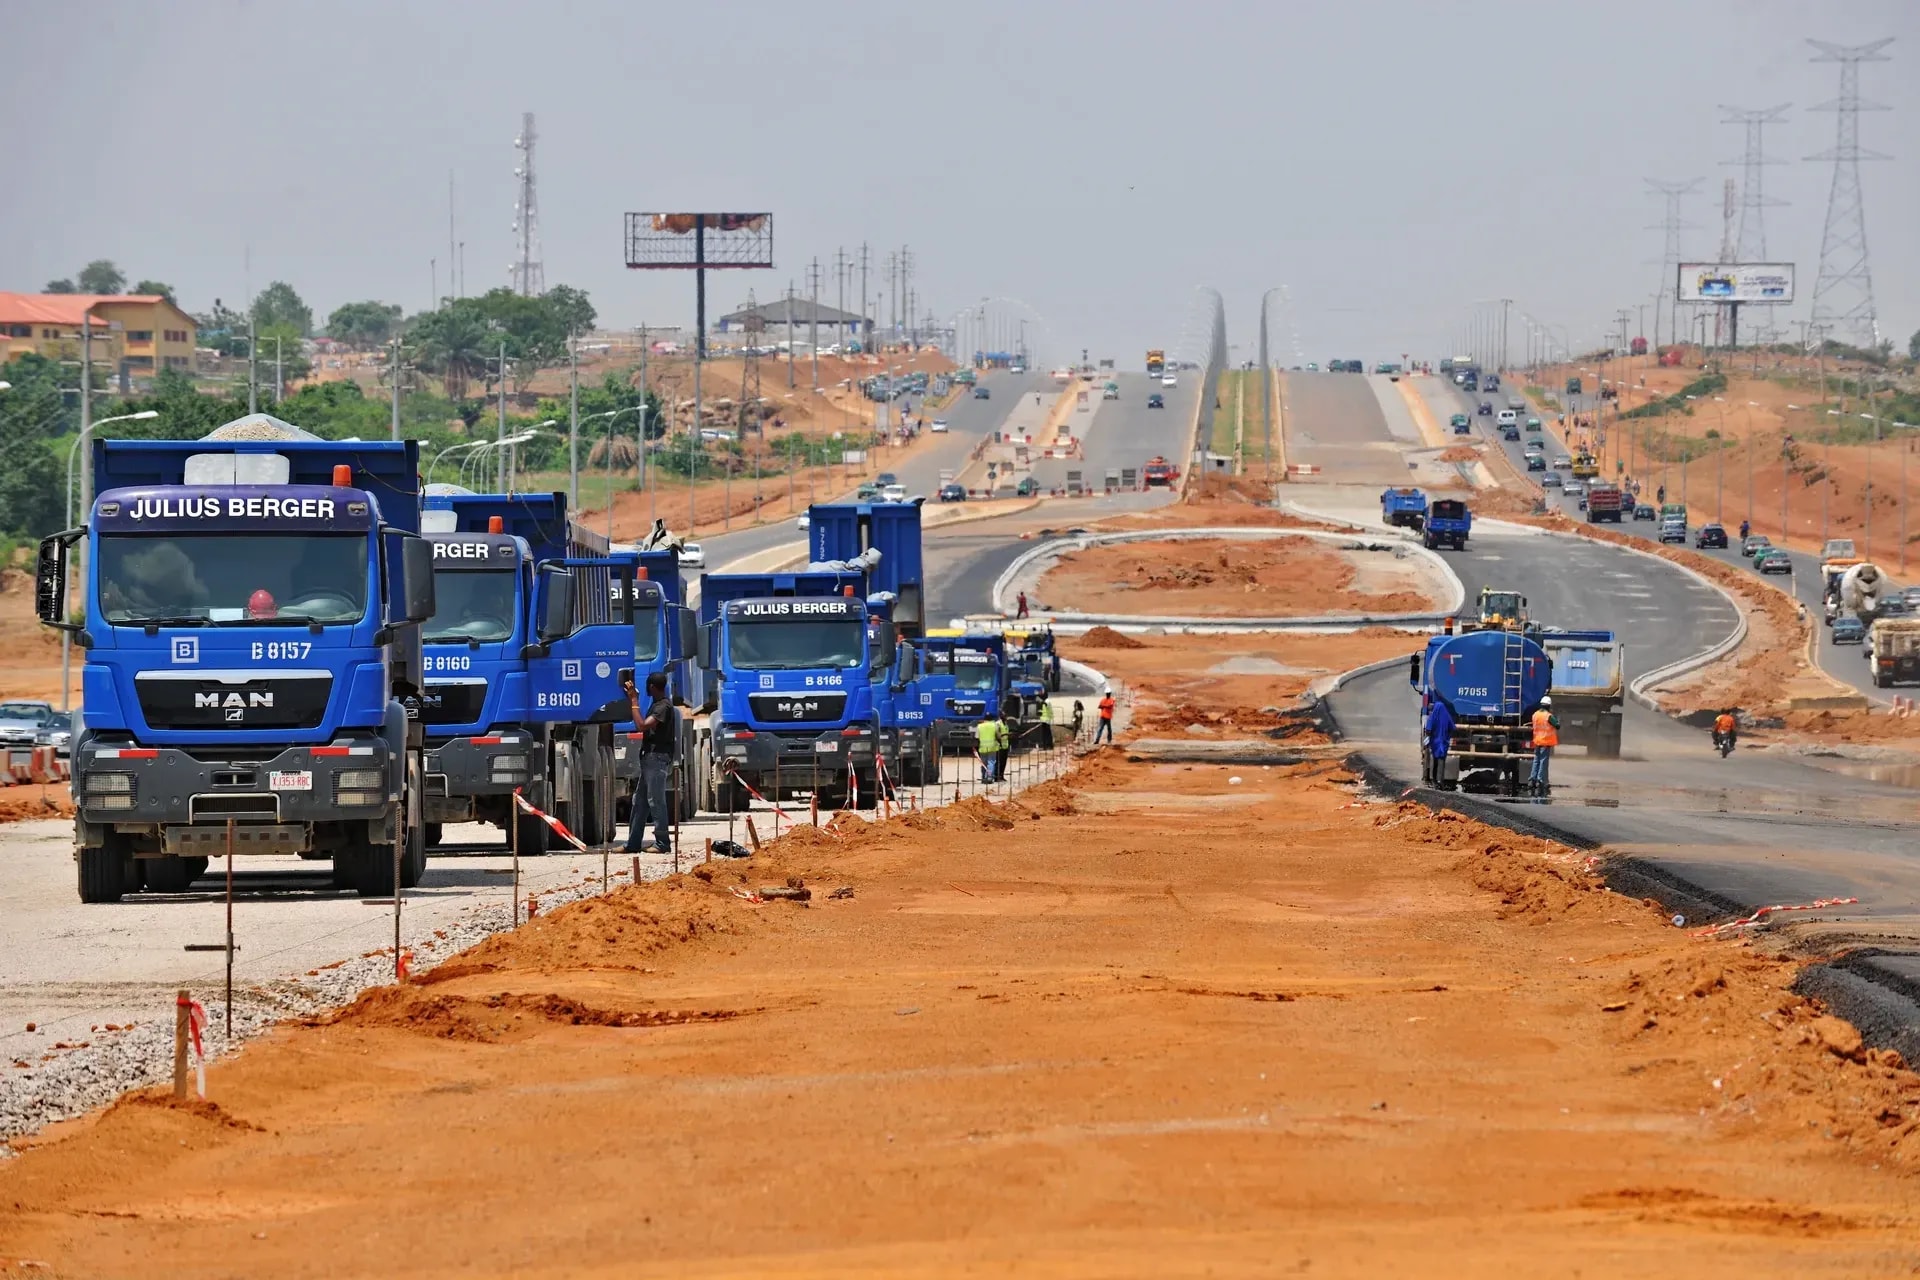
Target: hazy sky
1388,161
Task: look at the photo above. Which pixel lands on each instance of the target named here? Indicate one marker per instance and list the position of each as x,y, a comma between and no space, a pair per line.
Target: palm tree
454,345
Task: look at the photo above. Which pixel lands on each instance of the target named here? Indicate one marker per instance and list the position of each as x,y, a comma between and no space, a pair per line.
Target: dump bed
1584,662
538,518
389,470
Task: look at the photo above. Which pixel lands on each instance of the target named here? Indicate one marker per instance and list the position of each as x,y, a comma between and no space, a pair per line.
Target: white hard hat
1106,688
1546,701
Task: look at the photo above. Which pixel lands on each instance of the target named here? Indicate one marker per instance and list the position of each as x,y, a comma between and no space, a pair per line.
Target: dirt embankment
1178,1016
32,666
1230,577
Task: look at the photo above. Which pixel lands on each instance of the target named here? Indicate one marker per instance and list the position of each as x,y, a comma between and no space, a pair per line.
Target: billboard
1735,282
681,240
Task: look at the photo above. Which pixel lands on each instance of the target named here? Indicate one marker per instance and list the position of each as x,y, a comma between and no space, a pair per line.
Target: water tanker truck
1492,681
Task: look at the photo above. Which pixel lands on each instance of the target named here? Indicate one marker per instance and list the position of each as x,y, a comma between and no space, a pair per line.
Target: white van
1508,418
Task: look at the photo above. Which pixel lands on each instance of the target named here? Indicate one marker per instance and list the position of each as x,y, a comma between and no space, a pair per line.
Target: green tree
280,342
1913,346
570,308
455,343
149,288
32,484
278,304
60,286
101,276
363,324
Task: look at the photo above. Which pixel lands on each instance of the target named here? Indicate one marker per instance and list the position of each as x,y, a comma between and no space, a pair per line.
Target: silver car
21,722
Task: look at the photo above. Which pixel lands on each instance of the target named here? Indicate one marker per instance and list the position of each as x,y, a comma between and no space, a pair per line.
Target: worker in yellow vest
1546,736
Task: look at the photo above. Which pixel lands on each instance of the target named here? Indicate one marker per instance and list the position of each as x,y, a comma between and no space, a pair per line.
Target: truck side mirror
1413,673
703,647
556,613
50,579
416,586
686,631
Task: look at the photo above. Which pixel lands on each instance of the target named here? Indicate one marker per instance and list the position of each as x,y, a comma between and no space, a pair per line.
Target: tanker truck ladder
1513,668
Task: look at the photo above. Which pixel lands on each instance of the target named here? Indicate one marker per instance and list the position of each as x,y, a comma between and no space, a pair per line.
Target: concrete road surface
1334,421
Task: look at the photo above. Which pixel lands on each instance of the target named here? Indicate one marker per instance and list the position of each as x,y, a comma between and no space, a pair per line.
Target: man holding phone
658,732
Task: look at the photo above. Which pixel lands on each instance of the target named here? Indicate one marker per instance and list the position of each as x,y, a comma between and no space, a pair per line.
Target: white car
1169,381
692,556
804,522
1017,368
1563,463
1507,418
894,493
938,426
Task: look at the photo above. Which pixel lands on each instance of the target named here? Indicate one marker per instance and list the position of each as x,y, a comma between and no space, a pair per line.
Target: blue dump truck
960,680
882,540
535,627
1403,508
1448,524
1492,681
789,663
1588,687
1033,672
250,616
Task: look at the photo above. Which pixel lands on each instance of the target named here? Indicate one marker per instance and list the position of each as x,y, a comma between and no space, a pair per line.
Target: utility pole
1506,305
840,278
573,429
906,274
893,314
789,335
502,437
813,318
253,377
866,321
393,372
279,370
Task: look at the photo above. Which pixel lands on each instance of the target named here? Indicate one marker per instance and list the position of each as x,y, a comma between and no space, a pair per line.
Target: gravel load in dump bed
259,426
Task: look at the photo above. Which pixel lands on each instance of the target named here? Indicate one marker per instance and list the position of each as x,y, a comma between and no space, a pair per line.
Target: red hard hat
260,604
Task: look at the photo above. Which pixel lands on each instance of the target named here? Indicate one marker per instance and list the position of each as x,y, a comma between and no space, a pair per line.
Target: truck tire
174,875
1606,738
869,797
103,871
413,861
436,832
365,867
533,834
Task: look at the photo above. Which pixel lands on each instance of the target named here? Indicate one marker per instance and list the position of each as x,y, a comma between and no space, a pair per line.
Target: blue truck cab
1403,508
1449,521
1492,680
537,627
251,610
961,679
790,661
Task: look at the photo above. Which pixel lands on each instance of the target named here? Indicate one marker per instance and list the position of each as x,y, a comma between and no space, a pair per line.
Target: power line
1843,292
1672,224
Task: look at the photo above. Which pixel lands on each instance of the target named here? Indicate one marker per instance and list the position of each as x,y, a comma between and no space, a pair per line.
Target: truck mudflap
758,755
185,798
462,769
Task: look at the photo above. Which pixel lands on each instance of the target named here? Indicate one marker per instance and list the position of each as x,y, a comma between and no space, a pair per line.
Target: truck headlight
359,779
501,763
358,799
110,784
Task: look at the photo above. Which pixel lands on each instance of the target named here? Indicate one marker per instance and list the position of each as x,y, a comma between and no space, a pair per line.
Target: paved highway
1333,421
1844,662
1716,835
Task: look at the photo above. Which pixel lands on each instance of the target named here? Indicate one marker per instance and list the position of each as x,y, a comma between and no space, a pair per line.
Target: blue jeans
1106,727
1541,756
650,803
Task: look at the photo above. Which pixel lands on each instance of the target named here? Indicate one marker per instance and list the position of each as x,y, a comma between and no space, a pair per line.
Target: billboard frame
1736,274
699,241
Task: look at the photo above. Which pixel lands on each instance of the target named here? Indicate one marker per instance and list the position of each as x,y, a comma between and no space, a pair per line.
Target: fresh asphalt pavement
1333,421
1715,835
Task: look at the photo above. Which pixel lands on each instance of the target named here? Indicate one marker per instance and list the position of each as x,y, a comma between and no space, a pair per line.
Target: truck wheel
533,835
174,875
413,861
869,797
103,871
436,832
1606,739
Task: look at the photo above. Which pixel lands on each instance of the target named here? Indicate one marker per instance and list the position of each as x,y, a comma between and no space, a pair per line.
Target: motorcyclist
1725,729
1745,530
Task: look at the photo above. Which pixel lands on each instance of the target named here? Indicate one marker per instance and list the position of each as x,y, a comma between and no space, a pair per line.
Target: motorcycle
1723,743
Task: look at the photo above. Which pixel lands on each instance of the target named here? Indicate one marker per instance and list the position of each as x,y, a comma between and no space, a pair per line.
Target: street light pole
573,431
66,637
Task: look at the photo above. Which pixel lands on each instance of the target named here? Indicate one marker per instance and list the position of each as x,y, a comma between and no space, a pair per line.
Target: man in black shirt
657,737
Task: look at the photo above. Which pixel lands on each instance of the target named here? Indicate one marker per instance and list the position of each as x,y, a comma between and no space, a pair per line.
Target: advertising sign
1735,282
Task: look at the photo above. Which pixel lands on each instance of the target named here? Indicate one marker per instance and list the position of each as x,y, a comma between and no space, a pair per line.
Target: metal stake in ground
182,1014
405,830
514,832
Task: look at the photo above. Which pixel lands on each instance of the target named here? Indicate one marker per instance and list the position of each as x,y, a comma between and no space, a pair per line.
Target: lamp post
464,444
66,637
575,436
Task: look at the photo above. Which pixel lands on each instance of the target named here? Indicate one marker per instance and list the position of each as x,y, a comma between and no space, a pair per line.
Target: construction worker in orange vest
1546,736
1105,727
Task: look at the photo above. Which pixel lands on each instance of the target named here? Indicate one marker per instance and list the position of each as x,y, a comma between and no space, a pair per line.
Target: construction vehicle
1156,362
1573,386
1587,687
1859,588
1403,508
1492,681
1585,465
1893,647
1448,524
1498,611
1605,502
253,603
1838,549
537,626
961,678
1159,472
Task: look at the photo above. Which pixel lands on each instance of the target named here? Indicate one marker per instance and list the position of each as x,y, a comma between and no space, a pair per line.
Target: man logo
234,703
185,648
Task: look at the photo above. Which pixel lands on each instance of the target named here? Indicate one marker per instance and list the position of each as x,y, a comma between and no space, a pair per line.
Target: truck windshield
787,646
646,634
232,579
470,605
974,675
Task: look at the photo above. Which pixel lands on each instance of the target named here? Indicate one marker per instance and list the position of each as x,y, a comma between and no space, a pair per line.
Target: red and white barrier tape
1759,917
551,821
773,804
196,1023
